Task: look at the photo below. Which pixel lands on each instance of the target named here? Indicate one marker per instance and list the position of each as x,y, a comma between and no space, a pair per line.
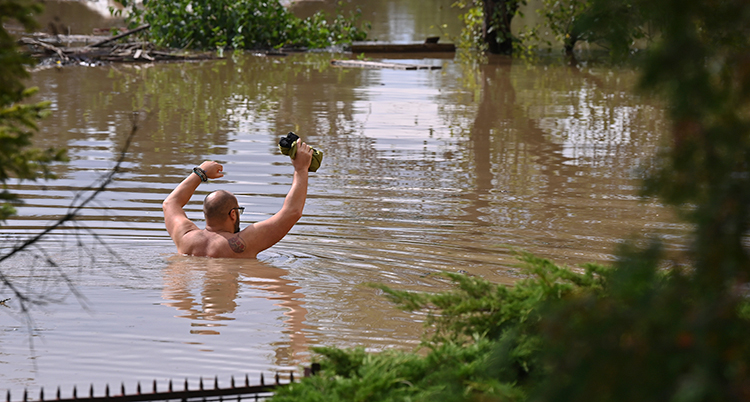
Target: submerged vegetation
243,24
646,328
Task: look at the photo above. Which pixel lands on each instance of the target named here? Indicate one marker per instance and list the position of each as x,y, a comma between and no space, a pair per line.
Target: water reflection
394,20
209,291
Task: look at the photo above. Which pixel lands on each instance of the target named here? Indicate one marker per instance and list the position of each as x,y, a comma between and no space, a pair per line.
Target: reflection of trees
189,103
508,144
221,281
561,141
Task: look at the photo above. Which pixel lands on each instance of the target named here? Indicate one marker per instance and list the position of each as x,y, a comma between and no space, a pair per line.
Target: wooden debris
120,36
81,40
430,45
376,64
107,51
45,46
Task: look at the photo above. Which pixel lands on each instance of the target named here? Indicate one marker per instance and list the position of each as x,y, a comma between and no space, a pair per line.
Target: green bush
632,332
485,343
243,24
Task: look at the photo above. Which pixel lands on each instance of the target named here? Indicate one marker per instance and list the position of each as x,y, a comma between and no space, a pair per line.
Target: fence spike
106,391
25,395
277,378
186,385
232,382
91,391
58,393
291,376
75,392
7,398
216,382
41,394
200,383
170,385
262,381
122,388
154,385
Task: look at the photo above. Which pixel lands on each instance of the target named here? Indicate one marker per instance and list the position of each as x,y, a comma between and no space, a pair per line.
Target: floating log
377,64
120,36
47,47
69,39
430,45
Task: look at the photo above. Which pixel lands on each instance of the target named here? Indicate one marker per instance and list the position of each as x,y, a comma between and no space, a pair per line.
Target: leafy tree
487,24
615,25
562,18
18,159
498,15
244,24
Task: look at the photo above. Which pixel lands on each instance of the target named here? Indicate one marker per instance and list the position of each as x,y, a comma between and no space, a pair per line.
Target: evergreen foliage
486,342
18,159
448,373
243,24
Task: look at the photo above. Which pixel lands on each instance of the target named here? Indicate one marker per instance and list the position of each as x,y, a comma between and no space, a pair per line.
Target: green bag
288,146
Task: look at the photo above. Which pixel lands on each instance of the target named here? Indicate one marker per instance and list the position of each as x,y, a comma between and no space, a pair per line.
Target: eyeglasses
241,209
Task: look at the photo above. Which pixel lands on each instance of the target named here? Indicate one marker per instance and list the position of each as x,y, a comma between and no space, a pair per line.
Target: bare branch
80,201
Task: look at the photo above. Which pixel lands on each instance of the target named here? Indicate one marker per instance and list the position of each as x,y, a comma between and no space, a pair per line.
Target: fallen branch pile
108,50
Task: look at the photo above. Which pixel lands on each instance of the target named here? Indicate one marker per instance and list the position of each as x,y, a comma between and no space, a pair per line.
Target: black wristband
201,173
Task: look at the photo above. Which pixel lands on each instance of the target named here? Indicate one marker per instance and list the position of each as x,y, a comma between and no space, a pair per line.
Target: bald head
217,205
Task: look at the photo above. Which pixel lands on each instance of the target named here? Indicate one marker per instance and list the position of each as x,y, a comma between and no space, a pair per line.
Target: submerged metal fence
208,393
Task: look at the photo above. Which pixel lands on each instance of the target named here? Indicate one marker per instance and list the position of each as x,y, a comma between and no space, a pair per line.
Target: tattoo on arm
236,244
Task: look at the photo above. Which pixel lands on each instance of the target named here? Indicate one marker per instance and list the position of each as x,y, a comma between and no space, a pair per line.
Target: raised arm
175,218
265,234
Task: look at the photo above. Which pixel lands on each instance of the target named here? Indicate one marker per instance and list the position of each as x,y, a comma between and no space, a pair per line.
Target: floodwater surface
424,171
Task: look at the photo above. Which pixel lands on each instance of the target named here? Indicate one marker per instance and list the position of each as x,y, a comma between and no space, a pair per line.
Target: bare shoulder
264,234
237,246
194,242
204,243
221,245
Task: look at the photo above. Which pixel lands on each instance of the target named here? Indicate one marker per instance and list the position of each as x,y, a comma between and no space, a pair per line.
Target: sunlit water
424,171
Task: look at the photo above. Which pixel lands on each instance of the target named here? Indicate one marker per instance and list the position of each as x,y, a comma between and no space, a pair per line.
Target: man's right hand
213,169
301,161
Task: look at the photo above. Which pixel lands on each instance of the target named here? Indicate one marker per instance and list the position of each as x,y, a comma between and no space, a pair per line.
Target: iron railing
204,393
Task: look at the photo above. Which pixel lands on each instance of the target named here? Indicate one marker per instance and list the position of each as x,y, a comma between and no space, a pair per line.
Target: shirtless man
222,236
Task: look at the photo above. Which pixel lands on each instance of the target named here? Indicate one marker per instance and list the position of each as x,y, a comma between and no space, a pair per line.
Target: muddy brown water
424,171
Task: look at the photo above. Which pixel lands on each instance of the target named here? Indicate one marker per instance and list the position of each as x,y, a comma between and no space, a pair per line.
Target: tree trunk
498,15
